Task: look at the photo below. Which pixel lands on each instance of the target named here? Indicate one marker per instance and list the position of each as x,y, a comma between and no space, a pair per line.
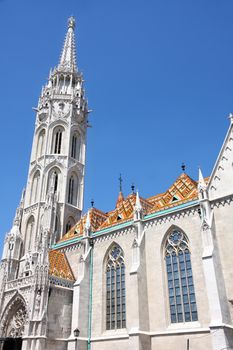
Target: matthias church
151,274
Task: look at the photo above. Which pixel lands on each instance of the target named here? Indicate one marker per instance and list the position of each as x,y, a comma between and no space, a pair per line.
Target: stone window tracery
115,289
181,291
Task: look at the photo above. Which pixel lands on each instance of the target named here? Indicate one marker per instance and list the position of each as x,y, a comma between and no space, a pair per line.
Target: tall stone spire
68,57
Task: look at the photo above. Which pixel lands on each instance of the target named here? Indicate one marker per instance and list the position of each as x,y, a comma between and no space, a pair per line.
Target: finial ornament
183,167
132,187
120,182
71,22
231,117
92,203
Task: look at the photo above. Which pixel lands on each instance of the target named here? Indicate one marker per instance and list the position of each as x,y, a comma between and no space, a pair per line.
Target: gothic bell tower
53,198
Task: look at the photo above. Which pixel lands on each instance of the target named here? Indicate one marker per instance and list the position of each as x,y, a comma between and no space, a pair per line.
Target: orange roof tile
59,266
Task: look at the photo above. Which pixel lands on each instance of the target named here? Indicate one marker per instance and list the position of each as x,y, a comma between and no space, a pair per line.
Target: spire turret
138,209
202,187
68,56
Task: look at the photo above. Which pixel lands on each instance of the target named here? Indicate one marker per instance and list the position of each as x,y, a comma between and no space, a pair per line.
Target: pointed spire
201,181
138,206
68,56
88,221
138,209
120,198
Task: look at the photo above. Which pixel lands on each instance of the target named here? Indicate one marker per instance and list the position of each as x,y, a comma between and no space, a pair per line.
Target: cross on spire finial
120,182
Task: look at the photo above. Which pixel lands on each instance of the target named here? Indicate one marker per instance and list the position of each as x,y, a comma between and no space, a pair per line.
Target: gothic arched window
71,190
29,237
70,223
75,146
40,145
55,176
53,182
57,140
115,289
182,299
35,188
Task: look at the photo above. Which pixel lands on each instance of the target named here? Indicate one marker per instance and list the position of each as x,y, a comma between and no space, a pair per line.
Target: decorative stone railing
20,282
61,282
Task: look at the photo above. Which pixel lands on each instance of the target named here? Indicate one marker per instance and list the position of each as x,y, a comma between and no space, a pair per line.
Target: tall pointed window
57,140
75,146
53,182
55,179
71,190
70,223
181,292
29,236
115,289
35,188
40,145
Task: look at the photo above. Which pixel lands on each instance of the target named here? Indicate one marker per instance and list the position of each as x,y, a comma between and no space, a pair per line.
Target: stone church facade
152,274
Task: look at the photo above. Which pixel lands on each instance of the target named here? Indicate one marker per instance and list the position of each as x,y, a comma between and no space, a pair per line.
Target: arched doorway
13,323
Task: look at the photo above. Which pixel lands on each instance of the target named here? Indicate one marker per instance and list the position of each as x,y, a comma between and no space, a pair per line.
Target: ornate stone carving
14,318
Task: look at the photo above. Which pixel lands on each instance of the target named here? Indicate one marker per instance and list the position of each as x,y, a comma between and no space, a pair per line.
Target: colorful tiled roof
183,190
97,217
124,210
59,266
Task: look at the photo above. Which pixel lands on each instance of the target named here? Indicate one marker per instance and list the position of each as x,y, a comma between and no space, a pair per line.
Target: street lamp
76,332
76,335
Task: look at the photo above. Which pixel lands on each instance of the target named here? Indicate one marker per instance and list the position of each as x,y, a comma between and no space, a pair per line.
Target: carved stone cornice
31,209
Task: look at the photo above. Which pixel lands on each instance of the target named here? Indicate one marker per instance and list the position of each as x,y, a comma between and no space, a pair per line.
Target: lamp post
76,335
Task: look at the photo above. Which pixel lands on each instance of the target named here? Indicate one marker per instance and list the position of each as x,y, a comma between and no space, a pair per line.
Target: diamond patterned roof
59,266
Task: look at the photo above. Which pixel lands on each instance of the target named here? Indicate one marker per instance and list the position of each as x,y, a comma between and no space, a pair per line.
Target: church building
151,274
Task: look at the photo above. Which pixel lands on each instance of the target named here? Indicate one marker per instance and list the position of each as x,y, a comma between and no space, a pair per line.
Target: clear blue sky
159,78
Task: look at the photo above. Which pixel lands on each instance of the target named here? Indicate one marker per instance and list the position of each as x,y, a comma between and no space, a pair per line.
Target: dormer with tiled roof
182,190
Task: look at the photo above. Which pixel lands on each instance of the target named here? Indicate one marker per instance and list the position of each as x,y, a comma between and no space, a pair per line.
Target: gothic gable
221,183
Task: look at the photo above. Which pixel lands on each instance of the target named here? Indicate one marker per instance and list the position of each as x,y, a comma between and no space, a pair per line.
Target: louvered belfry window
181,291
115,289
